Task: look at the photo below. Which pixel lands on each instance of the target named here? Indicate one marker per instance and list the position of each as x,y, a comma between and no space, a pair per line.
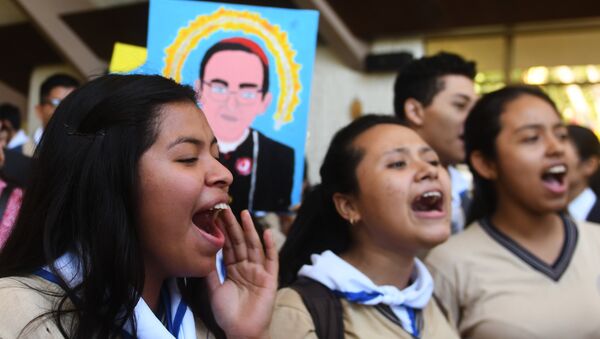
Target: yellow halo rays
251,23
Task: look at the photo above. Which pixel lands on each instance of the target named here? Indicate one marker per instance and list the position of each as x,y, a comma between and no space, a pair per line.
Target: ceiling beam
349,48
519,28
46,16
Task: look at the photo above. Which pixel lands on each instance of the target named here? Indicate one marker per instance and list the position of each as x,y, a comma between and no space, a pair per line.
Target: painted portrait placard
251,67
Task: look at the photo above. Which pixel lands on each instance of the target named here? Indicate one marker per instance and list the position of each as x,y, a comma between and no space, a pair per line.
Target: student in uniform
434,95
119,230
523,268
584,160
384,197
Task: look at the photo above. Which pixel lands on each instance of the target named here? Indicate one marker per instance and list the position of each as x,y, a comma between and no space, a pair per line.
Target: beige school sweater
492,288
291,320
20,303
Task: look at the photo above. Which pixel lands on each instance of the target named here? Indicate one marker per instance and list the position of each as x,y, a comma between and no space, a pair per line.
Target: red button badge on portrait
243,166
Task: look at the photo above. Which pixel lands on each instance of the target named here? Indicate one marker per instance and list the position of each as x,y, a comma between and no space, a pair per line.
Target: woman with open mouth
120,227
523,268
349,264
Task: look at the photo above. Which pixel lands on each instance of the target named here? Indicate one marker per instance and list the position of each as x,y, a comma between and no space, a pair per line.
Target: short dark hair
587,146
420,79
12,114
238,44
56,80
585,141
318,226
481,130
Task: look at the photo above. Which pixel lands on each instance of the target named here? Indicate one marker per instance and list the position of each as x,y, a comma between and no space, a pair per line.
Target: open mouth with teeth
206,222
429,204
554,178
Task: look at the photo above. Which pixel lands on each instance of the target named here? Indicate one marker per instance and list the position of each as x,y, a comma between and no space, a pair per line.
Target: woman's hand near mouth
243,304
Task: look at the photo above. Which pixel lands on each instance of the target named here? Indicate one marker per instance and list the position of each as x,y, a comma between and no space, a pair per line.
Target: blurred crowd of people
16,148
458,216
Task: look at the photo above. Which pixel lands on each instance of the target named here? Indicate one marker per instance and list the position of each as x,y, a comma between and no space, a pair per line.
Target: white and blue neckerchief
179,319
348,282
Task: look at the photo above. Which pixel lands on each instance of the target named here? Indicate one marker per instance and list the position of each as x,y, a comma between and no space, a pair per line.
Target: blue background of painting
168,16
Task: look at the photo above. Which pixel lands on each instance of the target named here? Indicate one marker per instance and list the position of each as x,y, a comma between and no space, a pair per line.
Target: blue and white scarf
351,284
179,317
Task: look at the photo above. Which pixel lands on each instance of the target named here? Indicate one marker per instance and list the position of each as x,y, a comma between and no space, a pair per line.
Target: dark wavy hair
420,79
318,226
83,199
481,130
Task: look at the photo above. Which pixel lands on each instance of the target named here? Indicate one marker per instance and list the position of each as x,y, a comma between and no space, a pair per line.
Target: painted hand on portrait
243,304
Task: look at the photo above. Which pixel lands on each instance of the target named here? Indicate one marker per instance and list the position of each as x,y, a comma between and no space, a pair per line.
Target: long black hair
84,199
481,130
318,226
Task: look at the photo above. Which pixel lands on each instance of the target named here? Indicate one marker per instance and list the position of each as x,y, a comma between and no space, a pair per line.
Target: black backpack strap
4,198
324,307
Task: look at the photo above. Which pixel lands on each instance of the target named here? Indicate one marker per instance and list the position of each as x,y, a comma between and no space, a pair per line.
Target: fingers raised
255,248
234,249
272,260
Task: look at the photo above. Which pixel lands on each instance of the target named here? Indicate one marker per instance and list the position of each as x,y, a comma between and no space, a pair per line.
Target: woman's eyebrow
184,140
401,150
426,149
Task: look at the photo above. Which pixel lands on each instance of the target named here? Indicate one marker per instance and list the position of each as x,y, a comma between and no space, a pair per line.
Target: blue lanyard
173,324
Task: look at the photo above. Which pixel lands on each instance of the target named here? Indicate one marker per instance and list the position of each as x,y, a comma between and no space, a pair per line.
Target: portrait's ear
199,96
345,206
484,167
265,102
415,113
197,86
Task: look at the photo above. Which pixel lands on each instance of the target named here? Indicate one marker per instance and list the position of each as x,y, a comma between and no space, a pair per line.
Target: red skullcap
251,45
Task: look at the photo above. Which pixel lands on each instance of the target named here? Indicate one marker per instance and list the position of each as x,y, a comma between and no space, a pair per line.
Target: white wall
334,88
14,97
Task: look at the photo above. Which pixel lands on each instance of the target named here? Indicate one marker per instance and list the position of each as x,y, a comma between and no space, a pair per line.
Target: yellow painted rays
250,23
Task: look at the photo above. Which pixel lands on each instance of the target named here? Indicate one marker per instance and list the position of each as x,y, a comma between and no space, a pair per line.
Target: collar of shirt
581,206
19,139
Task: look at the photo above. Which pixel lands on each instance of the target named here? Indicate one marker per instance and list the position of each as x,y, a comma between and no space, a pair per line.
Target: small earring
351,221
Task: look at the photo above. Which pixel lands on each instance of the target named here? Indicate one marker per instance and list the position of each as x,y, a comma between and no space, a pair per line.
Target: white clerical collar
230,146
